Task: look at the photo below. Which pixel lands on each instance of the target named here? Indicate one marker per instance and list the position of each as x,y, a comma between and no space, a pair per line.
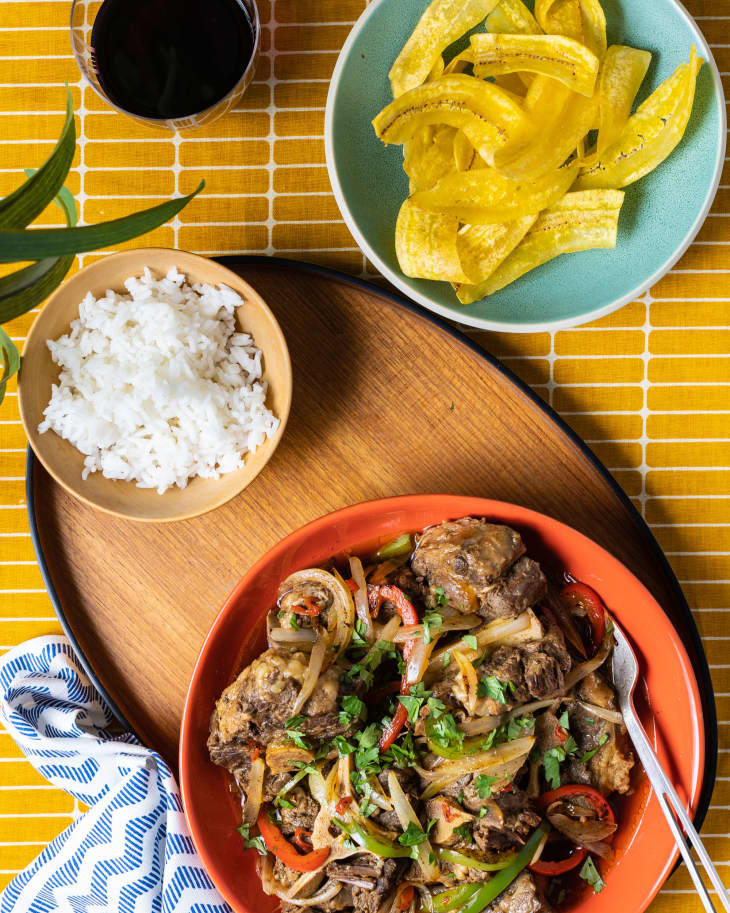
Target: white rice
157,387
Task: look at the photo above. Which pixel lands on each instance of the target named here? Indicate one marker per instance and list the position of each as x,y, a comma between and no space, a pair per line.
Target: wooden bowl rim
136,260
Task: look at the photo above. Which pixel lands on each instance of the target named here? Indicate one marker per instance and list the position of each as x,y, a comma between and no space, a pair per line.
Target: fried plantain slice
560,58
582,20
488,116
486,197
426,245
464,152
429,156
512,17
622,72
441,24
651,134
483,247
582,220
561,120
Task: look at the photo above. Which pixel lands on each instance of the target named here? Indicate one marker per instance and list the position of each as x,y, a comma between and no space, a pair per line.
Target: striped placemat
647,387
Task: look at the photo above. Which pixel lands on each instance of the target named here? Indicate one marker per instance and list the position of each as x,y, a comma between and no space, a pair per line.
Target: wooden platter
387,400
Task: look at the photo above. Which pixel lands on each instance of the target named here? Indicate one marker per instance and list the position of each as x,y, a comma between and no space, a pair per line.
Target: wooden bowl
38,372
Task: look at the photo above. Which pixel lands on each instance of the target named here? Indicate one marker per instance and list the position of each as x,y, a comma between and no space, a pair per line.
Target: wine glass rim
172,123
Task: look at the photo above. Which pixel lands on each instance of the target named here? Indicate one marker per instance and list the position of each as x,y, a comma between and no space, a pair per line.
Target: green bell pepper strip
494,887
452,752
378,845
445,854
395,549
454,898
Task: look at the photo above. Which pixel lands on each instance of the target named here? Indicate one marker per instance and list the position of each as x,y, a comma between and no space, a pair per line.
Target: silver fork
625,675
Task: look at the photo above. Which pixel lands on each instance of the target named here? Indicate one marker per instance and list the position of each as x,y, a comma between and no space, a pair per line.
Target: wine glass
178,64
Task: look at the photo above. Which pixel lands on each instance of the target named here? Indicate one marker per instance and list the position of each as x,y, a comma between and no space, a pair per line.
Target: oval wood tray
387,400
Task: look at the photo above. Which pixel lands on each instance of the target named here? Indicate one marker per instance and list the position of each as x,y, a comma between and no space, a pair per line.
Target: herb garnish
590,873
294,732
484,786
589,754
465,832
252,843
430,620
470,640
491,686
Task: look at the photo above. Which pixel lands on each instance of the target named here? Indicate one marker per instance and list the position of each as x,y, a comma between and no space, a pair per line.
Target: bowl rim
462,316
486,506
273,442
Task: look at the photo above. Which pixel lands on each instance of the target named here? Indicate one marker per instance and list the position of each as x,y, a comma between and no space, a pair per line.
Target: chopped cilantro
294,731
366,806
401,753
369,663
252,843
293,622
441,598
590,873
304,767
517,724
464,831
283,803
589,719
414,700
444,731
436,707
484,786
412,835
343,746
563,720
491,686
482,813
352,709
446,660
431,620
551,760
460,797
570,746
294,722
470,640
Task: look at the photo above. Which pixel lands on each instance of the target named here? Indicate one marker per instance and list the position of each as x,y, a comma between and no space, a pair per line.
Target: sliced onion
406,816
612,716
314,669
311,880
331,889
265,869
345,608
478,725
342,619
417,662
469,678
463,623
388,631
344,769
524,709
254,791
492,633
426,897
304,637
361,599
579,672
502,761
377,795
322,791
540,847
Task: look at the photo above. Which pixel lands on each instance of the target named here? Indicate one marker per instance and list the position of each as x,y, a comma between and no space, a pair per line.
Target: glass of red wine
170,63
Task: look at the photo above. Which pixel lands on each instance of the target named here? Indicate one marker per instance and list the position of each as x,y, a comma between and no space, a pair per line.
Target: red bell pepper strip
580,594
600,806
299,838
342,804
595,799
406,897
407,612
560,733
307,607
277,844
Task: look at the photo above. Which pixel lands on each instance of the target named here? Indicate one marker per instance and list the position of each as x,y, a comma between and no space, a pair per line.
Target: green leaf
25,288
38,243
10,360
590,873
30,199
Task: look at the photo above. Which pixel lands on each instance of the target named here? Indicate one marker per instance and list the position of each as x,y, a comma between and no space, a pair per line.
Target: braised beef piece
255,707
519,589
303,813
367,879
514,821
535,671
342,901
414,587
464,558
610,767
522,896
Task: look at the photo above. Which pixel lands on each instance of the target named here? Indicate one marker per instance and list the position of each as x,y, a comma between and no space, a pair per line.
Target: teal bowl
661,215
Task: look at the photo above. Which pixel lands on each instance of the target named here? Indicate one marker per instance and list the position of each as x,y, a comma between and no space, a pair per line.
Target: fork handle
668,801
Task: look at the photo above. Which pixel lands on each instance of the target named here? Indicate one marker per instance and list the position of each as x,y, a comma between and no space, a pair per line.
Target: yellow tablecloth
648,387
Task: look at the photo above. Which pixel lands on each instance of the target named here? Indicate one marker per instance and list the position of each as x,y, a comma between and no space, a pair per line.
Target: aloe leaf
38,243
23,205
25,288
9,358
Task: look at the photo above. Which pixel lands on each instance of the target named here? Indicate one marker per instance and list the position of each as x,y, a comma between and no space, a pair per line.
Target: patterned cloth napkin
132,851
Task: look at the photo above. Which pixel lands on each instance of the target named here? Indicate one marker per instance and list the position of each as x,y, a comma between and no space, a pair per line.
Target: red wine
166,59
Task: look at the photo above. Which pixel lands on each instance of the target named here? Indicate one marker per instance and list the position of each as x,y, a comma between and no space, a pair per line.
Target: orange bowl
671,711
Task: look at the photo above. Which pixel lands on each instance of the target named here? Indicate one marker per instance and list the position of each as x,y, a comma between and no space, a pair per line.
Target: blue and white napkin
132,851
